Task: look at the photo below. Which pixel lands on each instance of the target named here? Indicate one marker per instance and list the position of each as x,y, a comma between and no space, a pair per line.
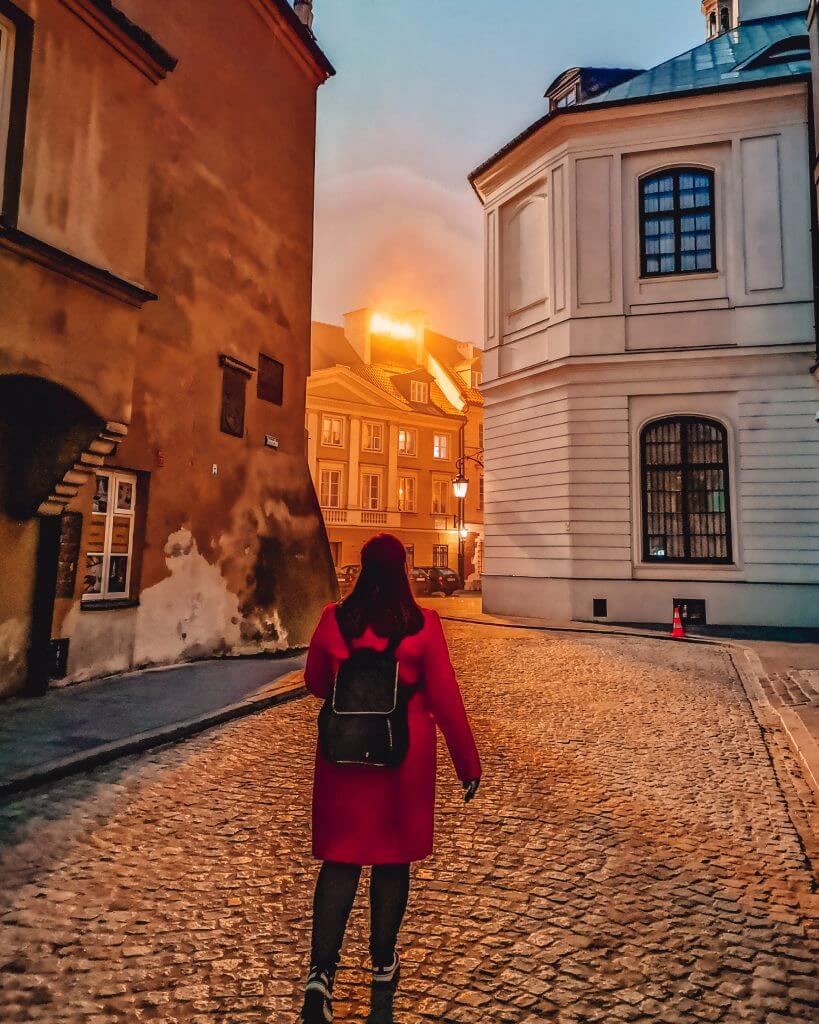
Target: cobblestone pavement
637,853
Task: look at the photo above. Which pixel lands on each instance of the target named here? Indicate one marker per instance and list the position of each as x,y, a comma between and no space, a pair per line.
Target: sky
425,91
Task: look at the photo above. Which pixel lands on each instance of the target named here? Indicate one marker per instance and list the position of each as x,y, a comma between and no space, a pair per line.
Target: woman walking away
381,665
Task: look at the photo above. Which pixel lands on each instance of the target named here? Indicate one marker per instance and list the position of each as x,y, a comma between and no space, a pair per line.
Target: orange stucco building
394,412
155,272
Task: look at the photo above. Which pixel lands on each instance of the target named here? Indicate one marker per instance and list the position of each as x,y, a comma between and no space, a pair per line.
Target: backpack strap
393,645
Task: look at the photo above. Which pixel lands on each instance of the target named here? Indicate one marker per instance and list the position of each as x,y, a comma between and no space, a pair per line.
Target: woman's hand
470,789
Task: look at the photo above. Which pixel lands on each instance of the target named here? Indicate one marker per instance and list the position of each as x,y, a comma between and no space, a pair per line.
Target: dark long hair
382,596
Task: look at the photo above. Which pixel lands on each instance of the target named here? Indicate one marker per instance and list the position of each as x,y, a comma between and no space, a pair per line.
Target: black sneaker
382,992
318,997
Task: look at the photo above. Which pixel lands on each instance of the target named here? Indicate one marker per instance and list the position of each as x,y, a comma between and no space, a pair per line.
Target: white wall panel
594,232
762,214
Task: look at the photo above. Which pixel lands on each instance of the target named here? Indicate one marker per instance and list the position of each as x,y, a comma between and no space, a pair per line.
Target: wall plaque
270,382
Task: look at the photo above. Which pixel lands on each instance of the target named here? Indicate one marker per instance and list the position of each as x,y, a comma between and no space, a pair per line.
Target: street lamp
460,485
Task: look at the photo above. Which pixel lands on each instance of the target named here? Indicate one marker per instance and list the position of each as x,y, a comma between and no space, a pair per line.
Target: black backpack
364,719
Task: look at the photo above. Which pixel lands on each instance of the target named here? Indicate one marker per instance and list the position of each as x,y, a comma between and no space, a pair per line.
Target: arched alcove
44,429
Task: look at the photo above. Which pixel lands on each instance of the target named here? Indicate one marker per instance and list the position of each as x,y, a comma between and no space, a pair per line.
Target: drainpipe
814,219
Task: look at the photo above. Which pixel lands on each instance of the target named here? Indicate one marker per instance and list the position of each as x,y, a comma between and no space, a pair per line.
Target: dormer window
793,50
566,99
419,392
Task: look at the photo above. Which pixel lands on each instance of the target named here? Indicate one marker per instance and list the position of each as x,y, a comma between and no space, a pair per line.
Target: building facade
651,434
394,414
155,268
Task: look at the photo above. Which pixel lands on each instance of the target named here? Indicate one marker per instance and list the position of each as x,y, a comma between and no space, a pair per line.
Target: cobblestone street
640,851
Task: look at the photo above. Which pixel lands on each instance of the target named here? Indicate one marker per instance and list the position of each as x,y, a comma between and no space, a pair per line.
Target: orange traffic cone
677,632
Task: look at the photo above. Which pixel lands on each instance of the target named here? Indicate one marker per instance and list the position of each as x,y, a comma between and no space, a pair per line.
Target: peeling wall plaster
189,614
13,641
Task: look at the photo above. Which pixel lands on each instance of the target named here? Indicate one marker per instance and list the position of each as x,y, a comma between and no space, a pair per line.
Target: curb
603,631
285,689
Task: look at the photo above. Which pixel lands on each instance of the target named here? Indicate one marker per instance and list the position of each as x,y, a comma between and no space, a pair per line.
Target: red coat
367,815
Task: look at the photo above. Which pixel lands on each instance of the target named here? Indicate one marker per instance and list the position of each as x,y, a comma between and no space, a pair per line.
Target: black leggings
335,892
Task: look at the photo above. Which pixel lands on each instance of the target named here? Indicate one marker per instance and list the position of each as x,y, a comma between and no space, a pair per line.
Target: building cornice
296,37
590,113
663,357
382,413
28,247
133,43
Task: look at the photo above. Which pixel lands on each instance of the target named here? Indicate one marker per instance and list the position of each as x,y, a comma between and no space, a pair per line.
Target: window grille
677,222
685,491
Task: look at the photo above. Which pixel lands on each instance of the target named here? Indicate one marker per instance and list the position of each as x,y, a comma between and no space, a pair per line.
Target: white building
650,420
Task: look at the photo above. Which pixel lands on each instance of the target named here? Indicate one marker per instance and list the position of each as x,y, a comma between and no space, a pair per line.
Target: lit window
686,515
677,222
419,392
406,493
440,446
330,488
440,556
332,431
440,496
373,437
407,441
110,538
371,491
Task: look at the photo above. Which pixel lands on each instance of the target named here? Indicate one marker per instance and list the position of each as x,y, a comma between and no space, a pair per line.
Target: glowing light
460,485
464,533
397,329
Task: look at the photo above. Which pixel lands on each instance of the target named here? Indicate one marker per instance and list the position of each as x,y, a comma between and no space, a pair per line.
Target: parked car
419,581
441,580
346,576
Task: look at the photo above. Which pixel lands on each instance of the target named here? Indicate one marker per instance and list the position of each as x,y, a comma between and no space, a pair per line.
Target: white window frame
445,484
329,419
7,45
327,469
409,451
403,504
372,501
419,392
436,552
441,447
376,431
115,477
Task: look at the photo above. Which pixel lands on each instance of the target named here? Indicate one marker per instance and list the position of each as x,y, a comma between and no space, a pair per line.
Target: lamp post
460,488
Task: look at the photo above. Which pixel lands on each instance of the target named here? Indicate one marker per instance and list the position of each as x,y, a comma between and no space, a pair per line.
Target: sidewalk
75,728
779,668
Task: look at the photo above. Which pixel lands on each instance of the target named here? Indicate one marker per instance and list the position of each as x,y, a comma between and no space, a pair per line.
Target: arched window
677,222
712,24
724,18
686,504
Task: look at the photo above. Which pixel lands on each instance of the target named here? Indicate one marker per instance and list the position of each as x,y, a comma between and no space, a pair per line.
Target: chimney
304,10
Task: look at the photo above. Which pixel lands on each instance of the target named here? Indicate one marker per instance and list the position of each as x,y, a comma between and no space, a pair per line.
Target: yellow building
394,417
